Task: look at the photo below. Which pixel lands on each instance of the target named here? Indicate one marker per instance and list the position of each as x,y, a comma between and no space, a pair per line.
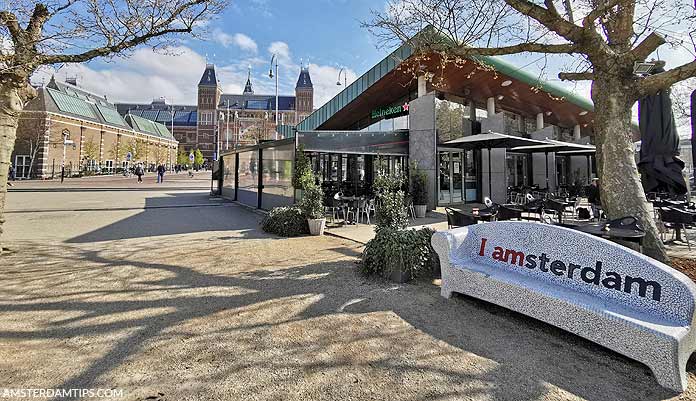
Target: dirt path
235,318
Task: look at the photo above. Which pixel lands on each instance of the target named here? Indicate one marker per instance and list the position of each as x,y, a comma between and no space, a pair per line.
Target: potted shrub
303,167
419,192
312,204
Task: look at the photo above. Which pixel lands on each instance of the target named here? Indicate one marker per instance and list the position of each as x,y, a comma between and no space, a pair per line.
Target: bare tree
606,37
39,33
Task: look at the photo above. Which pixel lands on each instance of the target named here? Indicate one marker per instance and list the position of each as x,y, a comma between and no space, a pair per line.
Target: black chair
508,213
556,208
677,219
456,218
628,222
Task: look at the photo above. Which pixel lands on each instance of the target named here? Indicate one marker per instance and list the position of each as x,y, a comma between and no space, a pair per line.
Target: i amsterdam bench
589,286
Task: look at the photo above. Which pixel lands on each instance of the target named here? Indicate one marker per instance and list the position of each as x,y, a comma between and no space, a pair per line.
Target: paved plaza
167,293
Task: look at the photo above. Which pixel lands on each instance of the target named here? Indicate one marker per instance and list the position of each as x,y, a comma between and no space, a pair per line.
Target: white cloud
144,76
281,49
148,75
324,78
240,40
245,43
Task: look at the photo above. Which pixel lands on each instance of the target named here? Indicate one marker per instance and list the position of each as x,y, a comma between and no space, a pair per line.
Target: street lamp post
345,78
270,75
66,142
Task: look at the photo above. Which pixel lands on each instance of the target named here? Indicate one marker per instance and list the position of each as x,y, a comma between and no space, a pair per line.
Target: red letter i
483,246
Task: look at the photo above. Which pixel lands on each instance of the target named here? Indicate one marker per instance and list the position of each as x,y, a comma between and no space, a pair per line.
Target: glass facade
248,179
277,164
376,143
518,170
458,177
229,181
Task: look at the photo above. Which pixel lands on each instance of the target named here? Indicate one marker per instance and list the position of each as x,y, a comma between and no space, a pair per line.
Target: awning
492,140
555,147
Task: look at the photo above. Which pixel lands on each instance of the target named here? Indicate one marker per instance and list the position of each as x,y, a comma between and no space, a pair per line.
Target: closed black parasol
659,165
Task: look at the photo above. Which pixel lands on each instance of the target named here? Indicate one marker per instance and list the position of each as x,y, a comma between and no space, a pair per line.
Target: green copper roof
72,105
149,127
111,115
519,74
360,85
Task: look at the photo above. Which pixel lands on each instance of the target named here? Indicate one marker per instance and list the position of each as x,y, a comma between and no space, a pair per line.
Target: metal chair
506,213
677,220
364,210
487,201
456,218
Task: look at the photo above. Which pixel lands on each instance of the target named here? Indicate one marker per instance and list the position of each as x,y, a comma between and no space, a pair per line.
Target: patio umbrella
491,140
693,135
659,165
587,153
555,146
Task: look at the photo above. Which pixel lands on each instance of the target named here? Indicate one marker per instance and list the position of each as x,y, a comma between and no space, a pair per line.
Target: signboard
129,155
389,111
191,157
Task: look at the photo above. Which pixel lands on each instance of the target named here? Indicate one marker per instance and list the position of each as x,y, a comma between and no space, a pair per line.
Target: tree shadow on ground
178,213
270,325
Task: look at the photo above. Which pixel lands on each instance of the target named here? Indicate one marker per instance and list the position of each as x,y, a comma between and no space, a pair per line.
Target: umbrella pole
547,171
490,190
589,169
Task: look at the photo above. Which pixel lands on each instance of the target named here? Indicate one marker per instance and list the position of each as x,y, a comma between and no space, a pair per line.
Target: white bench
589,286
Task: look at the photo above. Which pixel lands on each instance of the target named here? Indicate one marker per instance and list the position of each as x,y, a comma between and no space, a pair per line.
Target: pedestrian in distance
13,175
139,172
593,197
160,173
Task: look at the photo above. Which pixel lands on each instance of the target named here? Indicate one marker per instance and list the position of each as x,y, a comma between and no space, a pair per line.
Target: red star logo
405,106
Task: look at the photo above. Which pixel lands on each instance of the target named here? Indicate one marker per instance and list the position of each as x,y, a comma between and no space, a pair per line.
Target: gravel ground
247,317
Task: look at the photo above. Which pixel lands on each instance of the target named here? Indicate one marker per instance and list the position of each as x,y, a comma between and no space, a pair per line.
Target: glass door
444,195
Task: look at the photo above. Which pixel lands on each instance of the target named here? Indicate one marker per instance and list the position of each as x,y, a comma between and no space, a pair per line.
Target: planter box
316,226
420,210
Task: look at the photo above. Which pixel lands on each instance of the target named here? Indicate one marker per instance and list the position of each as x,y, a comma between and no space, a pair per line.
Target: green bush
394,250
419,183
285,222
391,211
312,203
303,167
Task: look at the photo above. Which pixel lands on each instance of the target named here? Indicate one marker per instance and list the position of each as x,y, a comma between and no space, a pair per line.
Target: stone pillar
539,121
576,132
490,106
422,142
422,88
472,110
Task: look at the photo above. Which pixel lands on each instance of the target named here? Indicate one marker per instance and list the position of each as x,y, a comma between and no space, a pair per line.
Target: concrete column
422,141
540,121
490,106
576,132
422,88
472,110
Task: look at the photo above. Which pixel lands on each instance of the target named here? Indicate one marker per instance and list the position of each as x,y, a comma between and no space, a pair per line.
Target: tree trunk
621,191
10,106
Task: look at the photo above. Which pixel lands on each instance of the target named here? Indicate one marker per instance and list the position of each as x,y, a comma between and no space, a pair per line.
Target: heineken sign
390,111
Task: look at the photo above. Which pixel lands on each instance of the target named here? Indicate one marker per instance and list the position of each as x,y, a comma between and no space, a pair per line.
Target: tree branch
654,83
576,76
106,50
589,20
647,46
566,48
552,21
10,21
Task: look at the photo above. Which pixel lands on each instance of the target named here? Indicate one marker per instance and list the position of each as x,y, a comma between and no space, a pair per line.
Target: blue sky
325,34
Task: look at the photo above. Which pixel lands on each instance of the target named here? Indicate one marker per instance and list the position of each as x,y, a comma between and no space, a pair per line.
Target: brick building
67,124
239,119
